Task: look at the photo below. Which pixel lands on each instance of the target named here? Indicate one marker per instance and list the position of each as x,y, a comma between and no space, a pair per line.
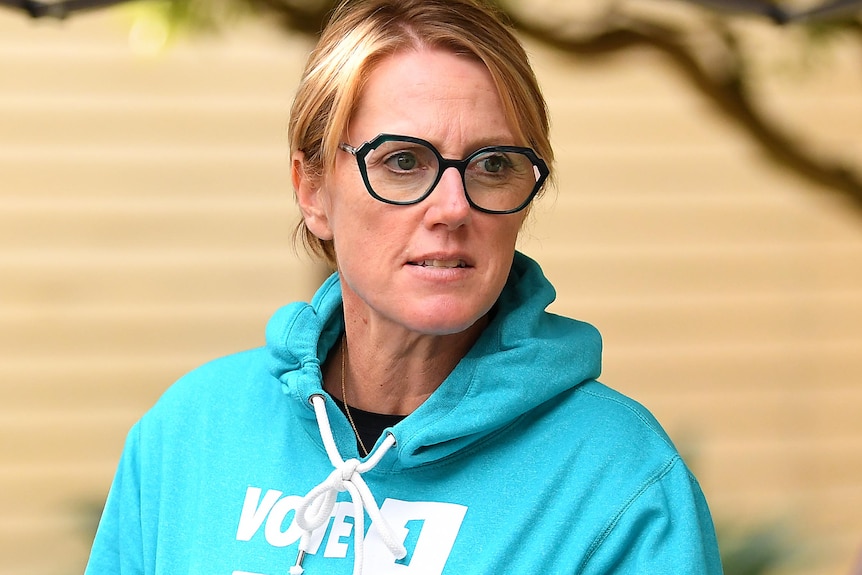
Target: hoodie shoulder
629,416
221,384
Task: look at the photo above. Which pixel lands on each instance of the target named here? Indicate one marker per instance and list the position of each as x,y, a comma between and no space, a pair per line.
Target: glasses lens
500,181
401,172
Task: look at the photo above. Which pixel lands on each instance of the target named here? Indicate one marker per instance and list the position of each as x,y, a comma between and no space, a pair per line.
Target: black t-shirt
369,425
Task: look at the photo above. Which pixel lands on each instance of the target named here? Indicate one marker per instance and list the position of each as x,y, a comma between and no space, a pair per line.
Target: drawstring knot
317,505
347,470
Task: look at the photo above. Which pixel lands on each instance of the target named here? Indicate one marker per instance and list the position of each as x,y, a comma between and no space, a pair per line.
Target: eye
494,164
402,161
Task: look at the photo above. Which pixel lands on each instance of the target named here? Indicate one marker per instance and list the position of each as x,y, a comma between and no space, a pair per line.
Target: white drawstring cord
317,505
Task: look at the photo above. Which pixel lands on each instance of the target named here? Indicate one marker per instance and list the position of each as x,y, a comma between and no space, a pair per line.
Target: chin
448,323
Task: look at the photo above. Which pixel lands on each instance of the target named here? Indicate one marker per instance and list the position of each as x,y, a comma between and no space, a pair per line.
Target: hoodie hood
524,358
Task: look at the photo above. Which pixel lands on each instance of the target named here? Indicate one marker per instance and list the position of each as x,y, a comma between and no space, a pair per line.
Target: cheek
506,232
362,230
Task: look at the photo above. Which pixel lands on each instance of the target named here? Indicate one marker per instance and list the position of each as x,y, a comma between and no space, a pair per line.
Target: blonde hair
361,33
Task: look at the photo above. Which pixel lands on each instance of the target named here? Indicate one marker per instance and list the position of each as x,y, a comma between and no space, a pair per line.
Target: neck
394,375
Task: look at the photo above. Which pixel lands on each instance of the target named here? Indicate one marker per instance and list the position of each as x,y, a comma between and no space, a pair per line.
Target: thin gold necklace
344,395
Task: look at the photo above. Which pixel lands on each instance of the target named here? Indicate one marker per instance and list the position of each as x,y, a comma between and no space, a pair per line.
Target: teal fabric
521,462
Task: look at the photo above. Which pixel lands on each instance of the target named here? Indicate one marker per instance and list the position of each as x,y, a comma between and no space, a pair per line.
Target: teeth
443,263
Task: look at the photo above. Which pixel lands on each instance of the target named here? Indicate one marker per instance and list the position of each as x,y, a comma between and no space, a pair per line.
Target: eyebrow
474,145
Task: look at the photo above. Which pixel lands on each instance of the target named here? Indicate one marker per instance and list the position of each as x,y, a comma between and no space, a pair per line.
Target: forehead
434,94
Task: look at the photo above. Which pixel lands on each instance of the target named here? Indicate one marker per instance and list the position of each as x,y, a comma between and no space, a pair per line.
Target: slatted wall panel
145,227
145,219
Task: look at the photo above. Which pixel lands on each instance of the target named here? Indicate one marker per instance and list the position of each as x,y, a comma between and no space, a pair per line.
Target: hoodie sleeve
118,546
666,528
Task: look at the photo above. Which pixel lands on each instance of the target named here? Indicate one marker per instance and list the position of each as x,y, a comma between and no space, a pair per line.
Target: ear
311,197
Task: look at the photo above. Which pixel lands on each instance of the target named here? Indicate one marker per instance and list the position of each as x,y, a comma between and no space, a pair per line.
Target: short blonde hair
361,33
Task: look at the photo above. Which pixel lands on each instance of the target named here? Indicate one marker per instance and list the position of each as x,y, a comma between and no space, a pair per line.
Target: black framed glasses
404,170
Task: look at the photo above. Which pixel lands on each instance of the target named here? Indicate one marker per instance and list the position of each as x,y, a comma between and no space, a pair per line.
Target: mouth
446,264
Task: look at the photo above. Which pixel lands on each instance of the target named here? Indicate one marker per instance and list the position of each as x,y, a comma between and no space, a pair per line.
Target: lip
441,260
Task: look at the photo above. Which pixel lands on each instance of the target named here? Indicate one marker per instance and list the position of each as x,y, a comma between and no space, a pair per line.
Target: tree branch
725,88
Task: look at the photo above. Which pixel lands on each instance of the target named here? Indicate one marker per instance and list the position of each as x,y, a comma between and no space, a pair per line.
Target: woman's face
438,266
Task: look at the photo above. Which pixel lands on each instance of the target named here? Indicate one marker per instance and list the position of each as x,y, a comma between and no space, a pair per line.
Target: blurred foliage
759,549
184,16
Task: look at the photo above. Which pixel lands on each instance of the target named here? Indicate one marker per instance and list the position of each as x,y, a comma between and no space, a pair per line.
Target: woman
425,385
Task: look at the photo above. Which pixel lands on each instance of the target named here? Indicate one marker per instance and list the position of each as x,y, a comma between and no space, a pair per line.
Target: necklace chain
344,395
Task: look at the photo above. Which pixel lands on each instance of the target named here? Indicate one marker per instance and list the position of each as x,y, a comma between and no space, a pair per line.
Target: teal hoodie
521,462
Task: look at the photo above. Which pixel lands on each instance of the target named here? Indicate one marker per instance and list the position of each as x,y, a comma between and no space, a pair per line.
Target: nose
447,204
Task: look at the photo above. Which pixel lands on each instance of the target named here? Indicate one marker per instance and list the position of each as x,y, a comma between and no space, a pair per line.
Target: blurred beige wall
145,227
